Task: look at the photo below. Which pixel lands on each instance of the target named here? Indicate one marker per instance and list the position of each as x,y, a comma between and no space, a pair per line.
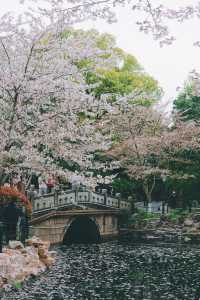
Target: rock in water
188,222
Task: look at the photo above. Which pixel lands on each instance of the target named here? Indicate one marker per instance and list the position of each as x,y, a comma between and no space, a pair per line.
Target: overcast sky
169,65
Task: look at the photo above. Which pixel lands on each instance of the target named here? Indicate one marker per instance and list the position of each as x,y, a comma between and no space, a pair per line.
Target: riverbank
19,263
182,229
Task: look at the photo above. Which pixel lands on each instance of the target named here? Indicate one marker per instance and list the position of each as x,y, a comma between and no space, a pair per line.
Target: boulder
29,242
23,251
42,251
188,222
197,225
196,217
5,265
193,230
15,245
53,253
48,261
187,239
36,242
17,262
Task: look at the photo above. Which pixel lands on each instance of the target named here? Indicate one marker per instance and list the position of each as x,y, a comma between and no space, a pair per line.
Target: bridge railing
67,198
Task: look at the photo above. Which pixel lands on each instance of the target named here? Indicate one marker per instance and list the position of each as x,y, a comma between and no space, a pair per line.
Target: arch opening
82,230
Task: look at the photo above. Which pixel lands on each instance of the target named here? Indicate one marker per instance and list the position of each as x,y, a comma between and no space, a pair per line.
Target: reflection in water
117,271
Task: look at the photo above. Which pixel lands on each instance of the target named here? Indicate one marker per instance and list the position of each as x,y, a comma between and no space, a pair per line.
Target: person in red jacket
50,184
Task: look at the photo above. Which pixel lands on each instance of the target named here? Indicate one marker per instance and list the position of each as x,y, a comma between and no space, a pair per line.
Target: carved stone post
118,197
104,192
56,198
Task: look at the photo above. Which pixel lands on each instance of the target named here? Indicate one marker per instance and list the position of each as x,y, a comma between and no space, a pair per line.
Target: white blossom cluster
42,92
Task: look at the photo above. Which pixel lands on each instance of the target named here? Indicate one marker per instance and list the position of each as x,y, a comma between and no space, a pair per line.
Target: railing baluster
70,197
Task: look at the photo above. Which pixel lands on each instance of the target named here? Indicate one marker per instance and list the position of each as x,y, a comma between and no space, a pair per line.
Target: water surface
117,271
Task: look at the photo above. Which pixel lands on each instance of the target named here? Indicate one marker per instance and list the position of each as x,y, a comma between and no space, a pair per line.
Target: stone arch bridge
76,216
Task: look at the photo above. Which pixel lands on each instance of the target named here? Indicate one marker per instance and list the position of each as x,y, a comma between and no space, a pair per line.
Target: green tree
122,76
188,104
124,185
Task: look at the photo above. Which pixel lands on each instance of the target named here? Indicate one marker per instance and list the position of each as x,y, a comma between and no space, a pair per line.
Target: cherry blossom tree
138,133
145,146
42,93
153,18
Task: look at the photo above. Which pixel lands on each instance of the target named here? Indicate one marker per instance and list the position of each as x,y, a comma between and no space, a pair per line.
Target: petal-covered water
117,271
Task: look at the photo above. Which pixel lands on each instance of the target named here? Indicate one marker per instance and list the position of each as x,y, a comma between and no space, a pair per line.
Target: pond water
114,270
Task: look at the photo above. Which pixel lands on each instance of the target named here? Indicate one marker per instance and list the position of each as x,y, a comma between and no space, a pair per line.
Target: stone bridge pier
76,226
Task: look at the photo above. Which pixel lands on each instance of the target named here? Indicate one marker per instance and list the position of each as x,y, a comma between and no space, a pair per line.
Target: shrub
177,215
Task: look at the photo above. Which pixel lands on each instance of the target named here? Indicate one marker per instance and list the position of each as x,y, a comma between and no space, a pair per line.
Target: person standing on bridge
75,181
50,184
1,226
42,187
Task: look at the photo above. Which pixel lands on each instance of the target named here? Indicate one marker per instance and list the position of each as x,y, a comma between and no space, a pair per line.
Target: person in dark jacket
10,218
1,226
24,225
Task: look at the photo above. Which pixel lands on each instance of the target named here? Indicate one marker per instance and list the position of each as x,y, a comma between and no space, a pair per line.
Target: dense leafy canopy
187,104
124,76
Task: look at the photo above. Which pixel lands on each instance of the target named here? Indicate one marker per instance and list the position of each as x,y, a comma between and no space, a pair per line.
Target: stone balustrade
68,198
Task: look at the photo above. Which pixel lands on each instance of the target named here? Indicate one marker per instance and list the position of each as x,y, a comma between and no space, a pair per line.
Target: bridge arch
82,229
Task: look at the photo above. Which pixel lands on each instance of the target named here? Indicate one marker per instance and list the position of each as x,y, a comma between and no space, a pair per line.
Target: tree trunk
148,186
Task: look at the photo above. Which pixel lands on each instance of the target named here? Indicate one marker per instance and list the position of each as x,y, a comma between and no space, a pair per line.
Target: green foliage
83,63
188,104
66,34
141,218
101,157
104,41
144,215
124,186
82,116
122,77
116,137
120,82
130,63
184,179
177,214
67,164
142,102
17,284
187,190
115,82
